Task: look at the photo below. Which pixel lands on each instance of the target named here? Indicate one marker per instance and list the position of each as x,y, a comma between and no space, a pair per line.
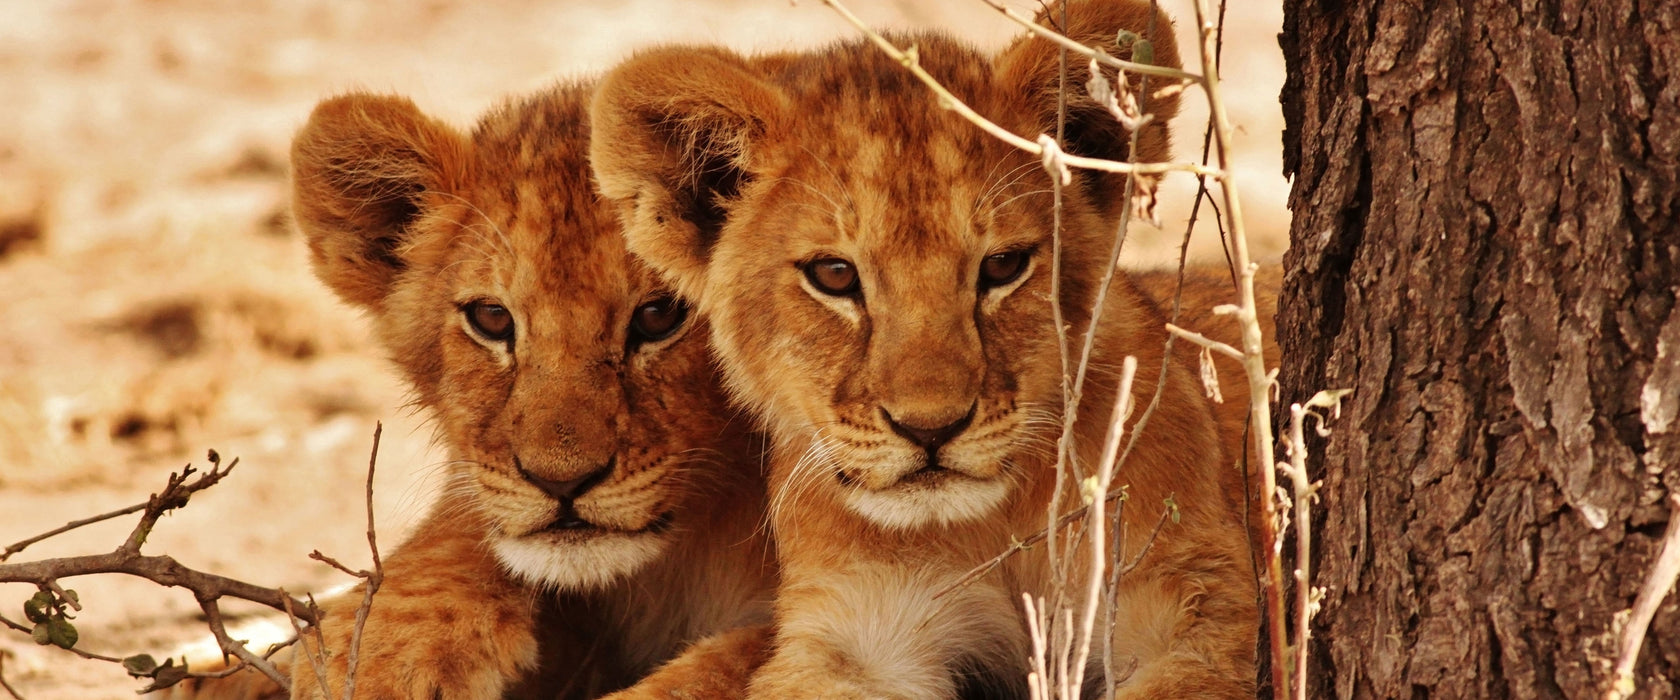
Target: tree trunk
1486,248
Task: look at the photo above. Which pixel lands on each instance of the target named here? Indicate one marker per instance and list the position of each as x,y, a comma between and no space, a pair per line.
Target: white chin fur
907,506
540,559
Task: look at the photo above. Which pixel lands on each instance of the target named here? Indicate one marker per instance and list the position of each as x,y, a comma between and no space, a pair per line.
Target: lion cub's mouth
575,554
569,526
931,494
931,476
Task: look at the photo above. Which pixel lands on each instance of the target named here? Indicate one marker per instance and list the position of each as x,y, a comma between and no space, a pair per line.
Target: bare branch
127,559
174,495
160,569
1254,363
1098,525
1306,597
20,545
3,684
909,60
1182,77
1205,342
1166,514
318,660
334,563
213,615
374,579
1024,544
1664,572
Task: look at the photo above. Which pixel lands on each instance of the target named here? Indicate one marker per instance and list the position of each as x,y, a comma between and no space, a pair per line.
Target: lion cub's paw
415,646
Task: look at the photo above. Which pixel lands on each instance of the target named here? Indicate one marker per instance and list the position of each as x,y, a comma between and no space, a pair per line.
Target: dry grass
157,305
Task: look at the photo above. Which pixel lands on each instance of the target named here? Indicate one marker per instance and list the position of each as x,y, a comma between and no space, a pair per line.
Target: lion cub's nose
930,439
567,490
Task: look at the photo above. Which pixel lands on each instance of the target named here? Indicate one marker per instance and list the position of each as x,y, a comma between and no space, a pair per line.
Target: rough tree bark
1486,247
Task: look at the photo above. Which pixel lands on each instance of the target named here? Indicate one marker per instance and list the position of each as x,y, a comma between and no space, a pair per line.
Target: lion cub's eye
832,276
1002,268
492,321
657,319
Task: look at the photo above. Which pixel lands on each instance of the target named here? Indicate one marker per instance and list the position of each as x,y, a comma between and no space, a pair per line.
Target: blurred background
156,302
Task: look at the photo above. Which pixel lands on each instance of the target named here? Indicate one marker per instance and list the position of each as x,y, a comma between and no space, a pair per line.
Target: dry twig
3,684
374,578
1254,364
20,545
1180,77
207,588
1658,583
909,60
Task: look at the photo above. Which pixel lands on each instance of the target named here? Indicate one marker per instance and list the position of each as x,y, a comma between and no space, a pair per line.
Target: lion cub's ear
1028,68
672,143
363,171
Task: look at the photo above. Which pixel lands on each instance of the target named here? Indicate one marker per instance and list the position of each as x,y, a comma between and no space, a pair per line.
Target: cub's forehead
853,96
536,236
873,151
536,228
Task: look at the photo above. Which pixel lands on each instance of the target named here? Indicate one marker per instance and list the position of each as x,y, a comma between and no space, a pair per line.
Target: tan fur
731,176
412,221
1205,287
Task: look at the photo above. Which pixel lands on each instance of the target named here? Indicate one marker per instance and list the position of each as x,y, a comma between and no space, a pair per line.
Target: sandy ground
157,304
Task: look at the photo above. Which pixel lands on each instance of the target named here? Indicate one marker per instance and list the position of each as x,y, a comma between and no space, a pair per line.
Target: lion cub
596,470
877,274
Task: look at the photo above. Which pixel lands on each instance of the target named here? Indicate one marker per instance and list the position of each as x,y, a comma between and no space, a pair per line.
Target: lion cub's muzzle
566,493
930,439
947,473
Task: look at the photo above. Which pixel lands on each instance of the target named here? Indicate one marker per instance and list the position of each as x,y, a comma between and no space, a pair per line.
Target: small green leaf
34,610
140,665
1172,508
1125,38
1143,52
169,674
62,633
41,634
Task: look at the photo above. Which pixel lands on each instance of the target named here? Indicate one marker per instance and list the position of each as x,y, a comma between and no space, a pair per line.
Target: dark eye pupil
658,319
832,276
490,320
1002,268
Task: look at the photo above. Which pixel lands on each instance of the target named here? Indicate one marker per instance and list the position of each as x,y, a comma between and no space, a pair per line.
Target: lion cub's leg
718,666
446,622
1185,624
